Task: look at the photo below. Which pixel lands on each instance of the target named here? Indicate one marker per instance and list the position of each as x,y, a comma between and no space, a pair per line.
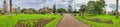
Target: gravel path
69,21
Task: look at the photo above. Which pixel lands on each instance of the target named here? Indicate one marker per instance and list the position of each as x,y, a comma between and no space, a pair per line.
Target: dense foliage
93,7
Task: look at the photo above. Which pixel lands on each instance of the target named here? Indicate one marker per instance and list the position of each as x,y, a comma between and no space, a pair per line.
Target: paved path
69,21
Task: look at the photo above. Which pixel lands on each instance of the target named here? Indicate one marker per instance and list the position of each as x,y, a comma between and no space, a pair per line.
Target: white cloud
111,1
108,9
39,3
80,1
22,3
1,3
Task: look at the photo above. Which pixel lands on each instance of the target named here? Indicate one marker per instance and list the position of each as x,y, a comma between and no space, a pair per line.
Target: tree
30,10
99,6
10,5
82,10
75,12
18,9
101,3
96,7
23,10
70,9
45,10
90,7
50,10
117,12
54,9
113,12
61,10
4,10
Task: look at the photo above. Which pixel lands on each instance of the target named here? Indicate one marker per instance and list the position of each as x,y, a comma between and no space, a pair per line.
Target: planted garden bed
33,22
99,20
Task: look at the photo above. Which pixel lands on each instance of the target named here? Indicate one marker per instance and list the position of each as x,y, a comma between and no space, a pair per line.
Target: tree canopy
95,7
61,10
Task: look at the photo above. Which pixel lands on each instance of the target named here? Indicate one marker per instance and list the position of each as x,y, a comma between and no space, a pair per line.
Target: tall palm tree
54,8
117,12
10,5
3,11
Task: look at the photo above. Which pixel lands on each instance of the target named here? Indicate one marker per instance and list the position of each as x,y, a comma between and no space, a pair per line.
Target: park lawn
53,23
116,22
6,21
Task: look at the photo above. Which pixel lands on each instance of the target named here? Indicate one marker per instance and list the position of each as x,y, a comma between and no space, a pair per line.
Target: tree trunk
10,5
10,8
117,12
82,14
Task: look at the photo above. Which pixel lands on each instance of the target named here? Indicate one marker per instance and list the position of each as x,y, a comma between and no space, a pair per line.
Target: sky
37,4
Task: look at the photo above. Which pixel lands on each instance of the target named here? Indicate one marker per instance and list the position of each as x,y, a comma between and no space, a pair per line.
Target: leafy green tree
82,10
46,10
99,6
18,9
75,11
54,9
70,9
30,11
102,3
90,7
61,10
50,10
96,7
113,12
23,10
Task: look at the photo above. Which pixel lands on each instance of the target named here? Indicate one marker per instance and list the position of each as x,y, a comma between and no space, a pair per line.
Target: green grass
116,22
6,21
54,23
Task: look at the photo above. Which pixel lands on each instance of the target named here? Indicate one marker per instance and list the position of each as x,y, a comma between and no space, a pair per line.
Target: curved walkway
69,21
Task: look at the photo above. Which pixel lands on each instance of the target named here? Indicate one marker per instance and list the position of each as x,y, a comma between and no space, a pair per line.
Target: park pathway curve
69,21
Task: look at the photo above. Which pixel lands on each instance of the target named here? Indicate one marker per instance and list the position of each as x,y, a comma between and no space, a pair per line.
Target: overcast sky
60,3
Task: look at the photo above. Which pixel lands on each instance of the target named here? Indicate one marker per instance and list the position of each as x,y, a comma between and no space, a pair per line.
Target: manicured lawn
116,22
6,21
54,23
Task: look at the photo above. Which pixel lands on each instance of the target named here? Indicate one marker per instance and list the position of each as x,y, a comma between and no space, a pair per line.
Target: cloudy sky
60,3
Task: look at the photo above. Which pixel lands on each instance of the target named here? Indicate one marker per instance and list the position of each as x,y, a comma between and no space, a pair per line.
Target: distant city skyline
60,3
